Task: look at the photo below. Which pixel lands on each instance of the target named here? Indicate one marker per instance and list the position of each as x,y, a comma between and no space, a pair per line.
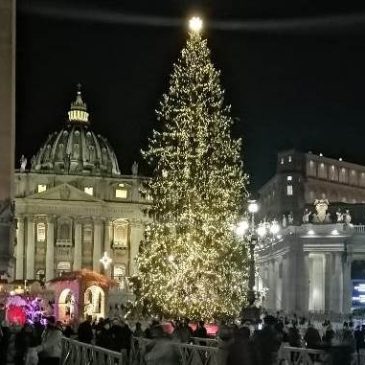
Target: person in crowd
138,332
162,351
182,331
266,343
312,337
4,341
51,346
85,332
329,335
348,338
240,351
38,330
24,340
126,337
280,328
359,337
104,336
68,331
147,332
200,331
294,338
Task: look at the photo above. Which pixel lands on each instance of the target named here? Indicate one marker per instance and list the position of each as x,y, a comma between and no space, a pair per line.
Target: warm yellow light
195,24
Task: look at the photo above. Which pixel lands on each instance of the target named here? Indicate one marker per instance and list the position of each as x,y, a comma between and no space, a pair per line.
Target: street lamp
254,233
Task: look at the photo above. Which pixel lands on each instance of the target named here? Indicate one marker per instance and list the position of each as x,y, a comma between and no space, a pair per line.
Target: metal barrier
184,354
78,353
303,356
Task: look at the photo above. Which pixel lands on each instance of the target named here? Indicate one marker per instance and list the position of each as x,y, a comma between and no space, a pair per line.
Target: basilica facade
73,206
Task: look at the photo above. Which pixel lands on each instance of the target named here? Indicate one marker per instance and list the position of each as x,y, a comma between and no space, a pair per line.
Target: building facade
301,178
317,261
313,268
72,205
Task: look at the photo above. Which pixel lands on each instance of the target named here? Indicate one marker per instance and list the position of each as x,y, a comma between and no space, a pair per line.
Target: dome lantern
78,111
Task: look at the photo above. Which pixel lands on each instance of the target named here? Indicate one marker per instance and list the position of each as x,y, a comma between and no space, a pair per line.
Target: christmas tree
190,264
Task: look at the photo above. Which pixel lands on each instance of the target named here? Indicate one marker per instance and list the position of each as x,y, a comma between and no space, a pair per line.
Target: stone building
301,178
73,205
313,268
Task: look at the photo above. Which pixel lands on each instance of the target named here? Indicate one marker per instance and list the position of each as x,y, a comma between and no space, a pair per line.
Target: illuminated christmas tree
190,264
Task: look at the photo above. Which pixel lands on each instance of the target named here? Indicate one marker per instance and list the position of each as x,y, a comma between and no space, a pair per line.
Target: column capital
51,218
30,218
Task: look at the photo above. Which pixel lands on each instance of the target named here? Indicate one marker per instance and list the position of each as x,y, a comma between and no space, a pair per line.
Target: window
41,232
64,232
119,273
311,168
322,171
63,266
289,159
289,178
289,190
89,190
282,161
121,192
120,235
41,188
343,176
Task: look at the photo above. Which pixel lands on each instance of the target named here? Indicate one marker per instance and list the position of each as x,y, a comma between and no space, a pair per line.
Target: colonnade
102,241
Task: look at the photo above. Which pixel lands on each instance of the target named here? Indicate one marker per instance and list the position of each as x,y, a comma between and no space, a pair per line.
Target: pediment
64,192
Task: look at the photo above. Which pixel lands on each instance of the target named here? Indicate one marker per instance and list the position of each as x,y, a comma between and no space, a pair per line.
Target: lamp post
254,234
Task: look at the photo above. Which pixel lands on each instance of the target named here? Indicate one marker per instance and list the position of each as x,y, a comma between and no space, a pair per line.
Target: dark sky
293,73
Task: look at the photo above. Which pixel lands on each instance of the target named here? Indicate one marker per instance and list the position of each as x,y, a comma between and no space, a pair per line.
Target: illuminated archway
94,302
66,305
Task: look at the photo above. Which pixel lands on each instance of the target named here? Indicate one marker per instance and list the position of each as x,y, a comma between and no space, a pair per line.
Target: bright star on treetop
195,24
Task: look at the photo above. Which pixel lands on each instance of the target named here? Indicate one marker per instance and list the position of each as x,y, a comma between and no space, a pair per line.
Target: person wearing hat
51,346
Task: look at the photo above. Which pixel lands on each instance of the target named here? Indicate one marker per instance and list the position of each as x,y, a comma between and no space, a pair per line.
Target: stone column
136,236
30,248
19,267
347,284
285,284
50,252
337,280
304,305
98,246
107,236
7,132
78,246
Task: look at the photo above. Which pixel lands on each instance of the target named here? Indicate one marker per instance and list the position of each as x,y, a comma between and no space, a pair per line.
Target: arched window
343,176
64,232
322,171
333,173
120,239
41,232
311,168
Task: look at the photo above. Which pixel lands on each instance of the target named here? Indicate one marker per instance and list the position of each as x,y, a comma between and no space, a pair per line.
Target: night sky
294,74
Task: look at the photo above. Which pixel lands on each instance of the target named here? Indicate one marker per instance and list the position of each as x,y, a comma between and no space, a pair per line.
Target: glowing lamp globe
195,24
261,230
274,228
241,228
253,207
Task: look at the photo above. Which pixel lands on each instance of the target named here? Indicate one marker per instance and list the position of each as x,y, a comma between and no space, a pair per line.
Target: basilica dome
76,149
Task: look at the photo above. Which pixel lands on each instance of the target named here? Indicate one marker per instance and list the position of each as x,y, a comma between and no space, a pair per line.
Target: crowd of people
245,344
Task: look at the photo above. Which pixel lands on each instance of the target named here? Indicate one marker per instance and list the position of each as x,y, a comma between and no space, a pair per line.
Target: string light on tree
191,264
105,261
